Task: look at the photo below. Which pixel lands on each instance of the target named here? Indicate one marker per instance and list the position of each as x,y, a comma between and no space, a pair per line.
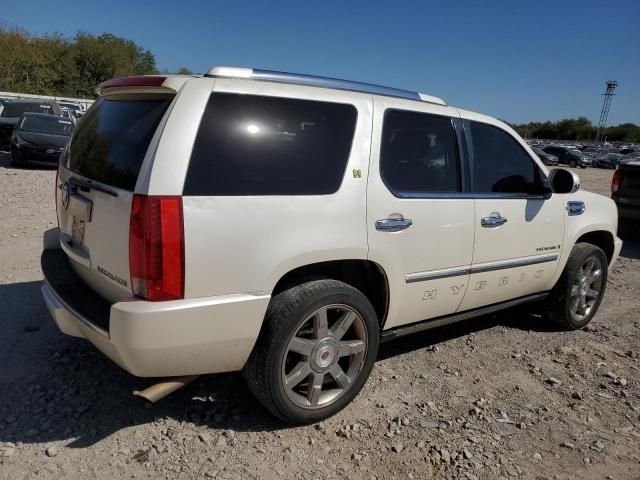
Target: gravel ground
503,396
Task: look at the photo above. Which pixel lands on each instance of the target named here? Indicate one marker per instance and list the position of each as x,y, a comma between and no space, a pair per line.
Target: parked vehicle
569,156
73,107
546,158
39,139
627,151
12,112
625,191
285,225
608,160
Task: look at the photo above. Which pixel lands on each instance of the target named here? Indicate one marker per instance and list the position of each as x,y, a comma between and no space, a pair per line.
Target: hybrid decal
111,276
481,285
430,295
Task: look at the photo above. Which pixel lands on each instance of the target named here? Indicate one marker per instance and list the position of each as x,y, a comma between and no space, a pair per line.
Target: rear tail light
615,182
156,247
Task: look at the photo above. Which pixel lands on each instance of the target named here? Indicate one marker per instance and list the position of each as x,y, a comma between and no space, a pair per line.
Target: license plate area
78,210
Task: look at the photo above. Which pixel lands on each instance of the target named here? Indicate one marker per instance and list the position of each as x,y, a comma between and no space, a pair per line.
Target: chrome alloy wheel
586,288
324,356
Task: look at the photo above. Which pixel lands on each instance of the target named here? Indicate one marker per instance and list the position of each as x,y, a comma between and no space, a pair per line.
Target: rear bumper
157,339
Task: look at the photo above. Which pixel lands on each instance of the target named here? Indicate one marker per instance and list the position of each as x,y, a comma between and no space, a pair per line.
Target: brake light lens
156,247
615,182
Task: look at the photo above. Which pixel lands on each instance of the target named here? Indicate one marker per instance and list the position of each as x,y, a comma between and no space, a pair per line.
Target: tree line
68,67
579,128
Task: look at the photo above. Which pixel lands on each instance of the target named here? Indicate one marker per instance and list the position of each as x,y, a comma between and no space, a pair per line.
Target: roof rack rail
316,81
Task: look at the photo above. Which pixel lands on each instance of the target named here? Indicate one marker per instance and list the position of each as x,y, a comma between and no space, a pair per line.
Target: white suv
285,225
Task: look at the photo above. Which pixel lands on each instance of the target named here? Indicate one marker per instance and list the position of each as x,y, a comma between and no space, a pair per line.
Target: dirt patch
503,396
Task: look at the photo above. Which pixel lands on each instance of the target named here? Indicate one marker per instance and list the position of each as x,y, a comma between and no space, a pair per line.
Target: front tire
572,163
315,351
575,299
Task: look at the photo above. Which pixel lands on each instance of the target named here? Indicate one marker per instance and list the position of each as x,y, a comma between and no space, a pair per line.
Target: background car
546,158
625,191
13,110
608,160
569,156
40,139
75,108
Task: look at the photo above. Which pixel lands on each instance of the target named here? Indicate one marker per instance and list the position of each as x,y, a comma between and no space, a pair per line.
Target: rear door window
258,145
112,139
419,154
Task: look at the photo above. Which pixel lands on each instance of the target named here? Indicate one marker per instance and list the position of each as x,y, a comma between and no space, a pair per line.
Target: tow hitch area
162,389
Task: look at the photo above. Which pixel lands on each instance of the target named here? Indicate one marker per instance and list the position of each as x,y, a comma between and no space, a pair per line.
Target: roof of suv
174,82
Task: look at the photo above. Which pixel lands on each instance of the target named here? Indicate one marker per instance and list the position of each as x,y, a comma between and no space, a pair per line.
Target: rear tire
315,352
575,299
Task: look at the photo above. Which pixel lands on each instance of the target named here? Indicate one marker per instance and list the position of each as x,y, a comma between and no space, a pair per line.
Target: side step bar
398,332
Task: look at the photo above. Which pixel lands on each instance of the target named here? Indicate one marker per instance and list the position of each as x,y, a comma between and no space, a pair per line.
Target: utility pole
606,104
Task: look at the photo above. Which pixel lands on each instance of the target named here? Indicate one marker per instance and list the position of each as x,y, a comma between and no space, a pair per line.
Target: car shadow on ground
58,388
63,389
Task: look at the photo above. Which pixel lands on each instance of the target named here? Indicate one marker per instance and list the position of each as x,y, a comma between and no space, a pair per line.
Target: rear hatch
97,177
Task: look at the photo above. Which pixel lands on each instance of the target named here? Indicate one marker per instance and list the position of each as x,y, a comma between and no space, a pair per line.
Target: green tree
54,65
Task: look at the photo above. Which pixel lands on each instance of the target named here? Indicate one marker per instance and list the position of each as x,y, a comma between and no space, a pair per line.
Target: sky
527,60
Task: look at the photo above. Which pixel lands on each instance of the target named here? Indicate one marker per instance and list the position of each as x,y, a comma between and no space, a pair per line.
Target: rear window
112,139
16,109
256,145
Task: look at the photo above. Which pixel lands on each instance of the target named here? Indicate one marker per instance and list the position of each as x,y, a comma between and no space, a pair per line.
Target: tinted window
16,109
254,145
112,139
418,153
500,164
50,125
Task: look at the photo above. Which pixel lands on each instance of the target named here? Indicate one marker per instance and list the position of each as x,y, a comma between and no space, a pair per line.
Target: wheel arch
364,275
602,239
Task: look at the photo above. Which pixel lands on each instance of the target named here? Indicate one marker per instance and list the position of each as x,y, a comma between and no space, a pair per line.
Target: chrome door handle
393,224
493,220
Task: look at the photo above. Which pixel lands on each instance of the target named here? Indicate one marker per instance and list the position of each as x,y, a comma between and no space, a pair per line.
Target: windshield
18,108
574,151
50,125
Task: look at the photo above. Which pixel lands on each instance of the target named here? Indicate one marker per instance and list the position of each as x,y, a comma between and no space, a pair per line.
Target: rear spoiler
143,83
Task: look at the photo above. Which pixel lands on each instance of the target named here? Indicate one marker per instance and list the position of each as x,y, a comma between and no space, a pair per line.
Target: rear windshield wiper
88,184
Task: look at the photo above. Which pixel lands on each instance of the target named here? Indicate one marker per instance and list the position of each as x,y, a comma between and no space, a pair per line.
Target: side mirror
563,181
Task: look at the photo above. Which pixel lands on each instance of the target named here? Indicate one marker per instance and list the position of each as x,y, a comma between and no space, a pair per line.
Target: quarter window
500,164
257,145
418,153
